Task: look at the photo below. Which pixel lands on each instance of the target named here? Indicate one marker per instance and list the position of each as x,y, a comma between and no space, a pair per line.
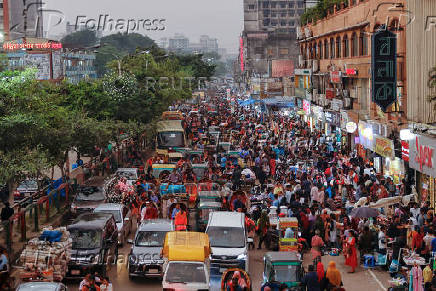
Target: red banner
405,150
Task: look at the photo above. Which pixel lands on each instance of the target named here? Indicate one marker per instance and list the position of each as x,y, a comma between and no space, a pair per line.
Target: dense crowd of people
305,174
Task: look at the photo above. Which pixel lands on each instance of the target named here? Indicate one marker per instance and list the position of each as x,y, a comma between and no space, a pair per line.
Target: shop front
318,117
333,125
387,162
422,158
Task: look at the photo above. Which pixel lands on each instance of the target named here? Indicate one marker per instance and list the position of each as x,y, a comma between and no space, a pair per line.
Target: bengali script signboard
384,68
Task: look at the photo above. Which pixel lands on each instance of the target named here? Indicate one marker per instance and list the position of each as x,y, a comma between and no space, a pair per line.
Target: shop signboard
333,118
336,104
384,68
335,76
384,146
366,135
318,113
405,150
330,93
282,68
422,155
306,106
344,119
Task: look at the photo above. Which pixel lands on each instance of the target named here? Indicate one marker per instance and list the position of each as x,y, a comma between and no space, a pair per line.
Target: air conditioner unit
315,65
307,32
300,61
309,64
299,33
345,93
347,103
353,93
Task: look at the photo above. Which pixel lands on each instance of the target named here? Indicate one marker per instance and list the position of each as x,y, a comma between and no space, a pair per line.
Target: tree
84,38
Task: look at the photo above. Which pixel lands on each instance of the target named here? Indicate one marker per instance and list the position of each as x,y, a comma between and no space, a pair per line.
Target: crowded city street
251,145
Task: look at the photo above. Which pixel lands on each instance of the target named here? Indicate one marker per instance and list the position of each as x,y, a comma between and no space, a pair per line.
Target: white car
123,218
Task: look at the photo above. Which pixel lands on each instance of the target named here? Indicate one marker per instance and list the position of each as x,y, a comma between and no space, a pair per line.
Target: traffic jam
226,178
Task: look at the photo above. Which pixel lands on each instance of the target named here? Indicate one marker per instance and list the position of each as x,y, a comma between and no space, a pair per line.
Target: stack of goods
116,189
46,258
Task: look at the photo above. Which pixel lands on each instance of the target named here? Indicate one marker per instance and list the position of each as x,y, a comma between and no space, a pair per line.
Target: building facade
421,111
178,42
52,62
334,75
15,24
270,33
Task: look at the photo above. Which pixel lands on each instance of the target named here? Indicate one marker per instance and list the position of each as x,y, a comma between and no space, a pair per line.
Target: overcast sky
222,19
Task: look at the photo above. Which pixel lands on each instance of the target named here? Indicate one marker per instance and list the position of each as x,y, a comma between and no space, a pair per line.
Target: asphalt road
362,280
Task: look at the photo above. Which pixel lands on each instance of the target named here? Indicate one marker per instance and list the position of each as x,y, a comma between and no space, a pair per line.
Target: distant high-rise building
178,42
163,42
15,24
270,32
208,44
72,27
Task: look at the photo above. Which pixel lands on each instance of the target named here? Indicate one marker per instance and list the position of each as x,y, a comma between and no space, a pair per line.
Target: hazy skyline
219,19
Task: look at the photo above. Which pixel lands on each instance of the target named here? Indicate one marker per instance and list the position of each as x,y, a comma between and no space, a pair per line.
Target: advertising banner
384,146
282,68
422,155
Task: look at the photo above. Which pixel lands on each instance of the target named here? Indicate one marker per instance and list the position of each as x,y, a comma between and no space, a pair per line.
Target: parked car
46,286
87,198
145,256
26,189
94,244
123,218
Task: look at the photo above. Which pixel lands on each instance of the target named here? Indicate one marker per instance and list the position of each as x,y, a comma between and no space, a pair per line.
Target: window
273,4
346,47
291,4
300,11
283,23
266,22
265,4
316,50
251,7
300,4
258,50
326,49
273,14
274,23
354,45
282,4
284,51
332,48
266,13
363,44
320,50
292,23
283,14
338,47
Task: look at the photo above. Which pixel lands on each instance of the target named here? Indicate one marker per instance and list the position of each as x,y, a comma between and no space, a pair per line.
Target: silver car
42,286
123,218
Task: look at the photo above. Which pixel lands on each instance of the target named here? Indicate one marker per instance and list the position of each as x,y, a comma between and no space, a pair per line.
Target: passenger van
228,241
145,256
94,244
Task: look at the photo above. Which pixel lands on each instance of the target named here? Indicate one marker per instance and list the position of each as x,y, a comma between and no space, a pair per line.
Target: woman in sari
350,251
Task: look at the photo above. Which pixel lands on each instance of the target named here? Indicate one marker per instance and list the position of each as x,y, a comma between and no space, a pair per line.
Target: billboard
282,68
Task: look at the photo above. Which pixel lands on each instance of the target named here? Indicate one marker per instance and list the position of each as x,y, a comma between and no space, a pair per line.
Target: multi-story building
208,44
270,33
334,75
421,110
178,42
51,61
15,24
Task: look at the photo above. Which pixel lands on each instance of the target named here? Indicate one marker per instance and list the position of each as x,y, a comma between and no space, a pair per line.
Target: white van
227,236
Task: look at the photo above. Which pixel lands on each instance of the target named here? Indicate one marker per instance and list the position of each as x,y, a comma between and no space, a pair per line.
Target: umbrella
364,212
